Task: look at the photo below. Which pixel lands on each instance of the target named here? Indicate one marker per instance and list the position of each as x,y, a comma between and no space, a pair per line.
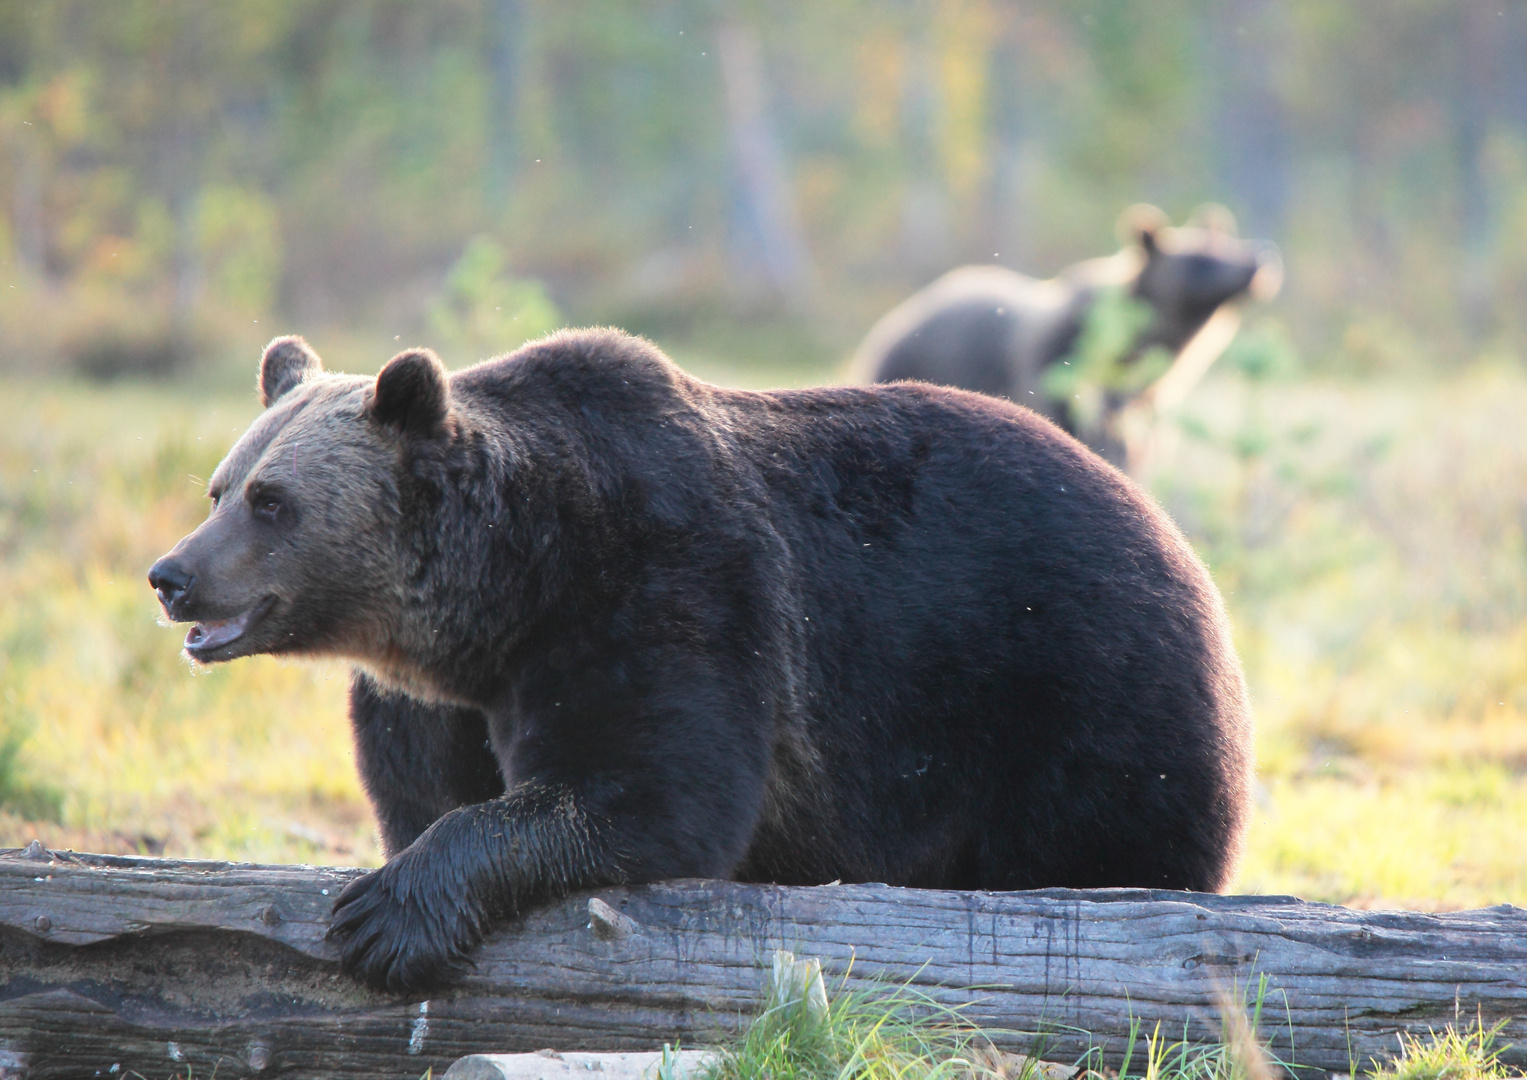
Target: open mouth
210,634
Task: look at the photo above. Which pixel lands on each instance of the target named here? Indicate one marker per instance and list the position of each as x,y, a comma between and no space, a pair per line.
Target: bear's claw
394,936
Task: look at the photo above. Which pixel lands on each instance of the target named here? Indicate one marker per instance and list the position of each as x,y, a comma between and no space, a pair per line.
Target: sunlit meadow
1368,535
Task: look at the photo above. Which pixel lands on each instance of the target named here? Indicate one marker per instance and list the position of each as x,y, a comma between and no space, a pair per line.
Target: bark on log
116,964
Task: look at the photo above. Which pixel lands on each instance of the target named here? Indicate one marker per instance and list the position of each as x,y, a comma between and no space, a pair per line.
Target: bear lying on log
613,625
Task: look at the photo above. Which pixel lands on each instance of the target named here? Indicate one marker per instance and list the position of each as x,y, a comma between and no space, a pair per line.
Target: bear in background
998,332
611,624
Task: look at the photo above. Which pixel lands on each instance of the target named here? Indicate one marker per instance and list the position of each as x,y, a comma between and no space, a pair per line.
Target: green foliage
1105,365
482,310
238,235
1263,352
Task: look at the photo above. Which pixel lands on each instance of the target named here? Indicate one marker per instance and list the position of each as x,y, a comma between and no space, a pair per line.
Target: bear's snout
1268,279
170,581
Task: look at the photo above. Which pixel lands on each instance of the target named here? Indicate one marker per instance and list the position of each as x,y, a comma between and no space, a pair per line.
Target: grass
887,1034
1467,1054
1370,537
108,740
901,1033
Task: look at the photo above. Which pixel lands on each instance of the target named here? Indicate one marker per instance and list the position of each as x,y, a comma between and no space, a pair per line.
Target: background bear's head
302,551
1186,273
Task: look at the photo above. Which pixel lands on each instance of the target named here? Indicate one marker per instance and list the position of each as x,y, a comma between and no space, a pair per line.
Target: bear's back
859,479
907,465
971,328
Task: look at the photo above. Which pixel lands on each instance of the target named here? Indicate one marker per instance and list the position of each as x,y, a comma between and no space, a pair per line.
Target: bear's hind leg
417,761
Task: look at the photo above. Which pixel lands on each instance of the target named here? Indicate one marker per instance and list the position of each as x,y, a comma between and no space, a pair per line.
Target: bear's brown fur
612,624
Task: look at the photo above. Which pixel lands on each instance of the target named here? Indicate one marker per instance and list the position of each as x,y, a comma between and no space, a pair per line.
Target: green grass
901,1033
887,1034
1370,537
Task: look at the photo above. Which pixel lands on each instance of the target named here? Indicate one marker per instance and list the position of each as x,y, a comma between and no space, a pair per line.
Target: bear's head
302,552
1187,273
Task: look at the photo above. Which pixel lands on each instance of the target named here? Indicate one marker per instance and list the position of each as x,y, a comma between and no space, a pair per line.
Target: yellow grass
1369,538
140,753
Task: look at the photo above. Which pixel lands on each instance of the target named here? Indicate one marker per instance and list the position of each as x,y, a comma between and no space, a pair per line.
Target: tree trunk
766,188
118,964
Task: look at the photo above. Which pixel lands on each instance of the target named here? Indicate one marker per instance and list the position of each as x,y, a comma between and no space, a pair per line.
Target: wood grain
154,965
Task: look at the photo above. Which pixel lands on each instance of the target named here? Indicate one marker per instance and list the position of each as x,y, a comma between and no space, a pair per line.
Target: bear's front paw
400,930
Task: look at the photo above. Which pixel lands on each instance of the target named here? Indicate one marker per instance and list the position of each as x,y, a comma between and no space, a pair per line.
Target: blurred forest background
752,184
173,171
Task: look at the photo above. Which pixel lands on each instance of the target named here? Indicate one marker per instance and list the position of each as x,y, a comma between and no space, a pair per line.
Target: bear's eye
265,504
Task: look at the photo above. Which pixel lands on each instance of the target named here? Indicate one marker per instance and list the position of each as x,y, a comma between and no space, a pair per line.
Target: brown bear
613,625
995,331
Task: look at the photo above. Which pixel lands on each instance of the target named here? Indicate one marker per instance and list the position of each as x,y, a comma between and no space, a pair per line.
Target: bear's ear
286,362
411,393
1214,217
1139,224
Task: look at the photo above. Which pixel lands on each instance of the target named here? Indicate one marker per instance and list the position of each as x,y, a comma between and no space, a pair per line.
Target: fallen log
110,965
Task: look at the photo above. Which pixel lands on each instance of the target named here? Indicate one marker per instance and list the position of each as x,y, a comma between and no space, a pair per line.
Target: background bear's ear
1139,224
286,362
1215,218
411,392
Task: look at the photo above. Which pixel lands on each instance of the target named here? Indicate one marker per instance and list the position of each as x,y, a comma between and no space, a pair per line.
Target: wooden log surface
110,965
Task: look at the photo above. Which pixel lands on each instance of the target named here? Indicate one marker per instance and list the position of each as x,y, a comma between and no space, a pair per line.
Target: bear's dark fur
613,624
995,331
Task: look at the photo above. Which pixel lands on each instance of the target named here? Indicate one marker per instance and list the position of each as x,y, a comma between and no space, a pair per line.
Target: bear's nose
170,580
